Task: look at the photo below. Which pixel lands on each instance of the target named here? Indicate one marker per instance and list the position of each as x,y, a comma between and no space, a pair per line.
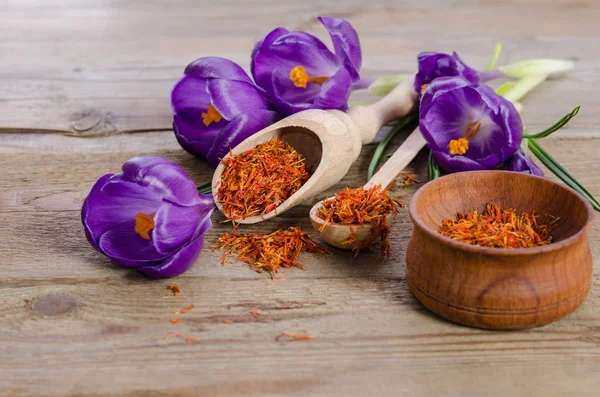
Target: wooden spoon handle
403,156
399,102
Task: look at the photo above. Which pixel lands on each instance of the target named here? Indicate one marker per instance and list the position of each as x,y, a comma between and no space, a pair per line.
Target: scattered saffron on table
173,336
499,228
360,206
408,179
191,340
185,309
255,313
175,289
293,336
175,320
228,321
256,181
269,252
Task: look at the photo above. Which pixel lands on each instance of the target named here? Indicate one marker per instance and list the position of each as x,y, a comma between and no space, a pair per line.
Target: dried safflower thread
292,336
499,228
175,289
408,179
256,181
360,206
269,252
185,309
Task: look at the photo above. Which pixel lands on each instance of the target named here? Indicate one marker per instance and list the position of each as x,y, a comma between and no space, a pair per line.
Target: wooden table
85,86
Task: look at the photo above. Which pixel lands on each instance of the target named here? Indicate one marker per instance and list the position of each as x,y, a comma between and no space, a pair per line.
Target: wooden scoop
330,140
334,234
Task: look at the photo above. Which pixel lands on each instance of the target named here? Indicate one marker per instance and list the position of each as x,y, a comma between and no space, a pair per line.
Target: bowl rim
418,222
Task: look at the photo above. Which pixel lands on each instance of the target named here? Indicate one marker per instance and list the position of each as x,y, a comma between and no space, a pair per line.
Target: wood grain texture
86,86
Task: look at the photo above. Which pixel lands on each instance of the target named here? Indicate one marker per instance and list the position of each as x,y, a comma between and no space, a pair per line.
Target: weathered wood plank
76,72
72,324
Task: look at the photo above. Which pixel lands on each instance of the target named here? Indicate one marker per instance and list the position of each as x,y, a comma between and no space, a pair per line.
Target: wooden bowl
499,288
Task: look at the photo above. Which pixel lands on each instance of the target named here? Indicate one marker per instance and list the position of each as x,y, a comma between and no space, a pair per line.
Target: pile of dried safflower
360,206
499,228
269,252
256,181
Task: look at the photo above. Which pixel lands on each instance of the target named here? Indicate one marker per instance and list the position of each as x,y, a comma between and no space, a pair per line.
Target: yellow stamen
423,88
472,129
211,115
143,224
458,146
300,78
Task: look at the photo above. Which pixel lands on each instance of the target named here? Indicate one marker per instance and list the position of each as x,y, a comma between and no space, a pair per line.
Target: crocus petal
167,178
237,131
231,98
196,141
335,91
439,87
216,68
175,225
289,99
182,260
451,163
521,162
345,42
164,193
262,60
127,248
449,104
189,99
190,93
300,48
114,203
433,65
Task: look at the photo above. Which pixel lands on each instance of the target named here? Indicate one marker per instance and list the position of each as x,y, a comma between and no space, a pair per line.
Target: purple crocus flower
298,72
468,127
212,93
521,162
434,64
149,217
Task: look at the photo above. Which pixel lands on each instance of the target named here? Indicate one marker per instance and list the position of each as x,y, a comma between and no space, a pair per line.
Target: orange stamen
143,225
458,146
300,78
423,88
211,116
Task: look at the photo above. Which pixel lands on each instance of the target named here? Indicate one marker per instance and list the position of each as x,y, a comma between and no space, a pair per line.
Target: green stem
205,187
396,129
557,126
432,168
494,58
523,86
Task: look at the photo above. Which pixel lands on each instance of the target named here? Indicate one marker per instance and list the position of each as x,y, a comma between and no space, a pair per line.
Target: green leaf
557,126
205,187
504,88
534,67
433,170
492,64
524,86
384,85
358,103
396,129
561,173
